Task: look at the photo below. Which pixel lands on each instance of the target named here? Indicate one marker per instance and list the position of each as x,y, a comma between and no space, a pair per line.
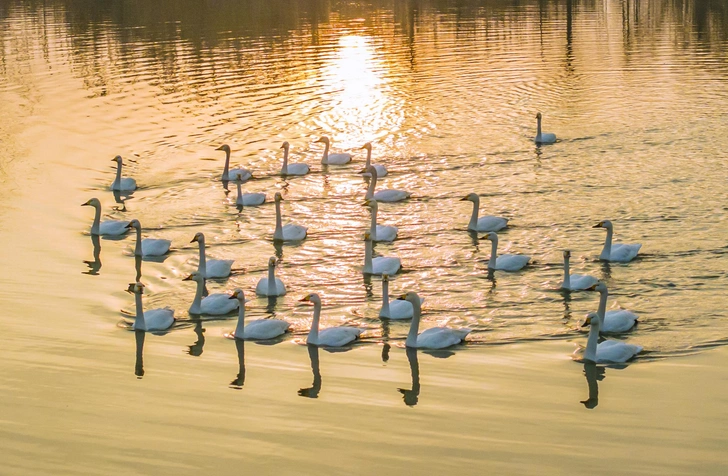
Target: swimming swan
153,319
271,286
614,321
332,159
379,232
616,252
290,232
213,304
109,227
228,174
380,264
503,262
608,351
292,169
575,282
329,337
397,309
435,337
383,195
381,170
486,223
248,199
211,268
259,328
543,137
126,184
148,246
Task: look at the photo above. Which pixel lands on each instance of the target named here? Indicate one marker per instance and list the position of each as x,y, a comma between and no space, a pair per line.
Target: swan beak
365,204
188,278
222,147
233,295
363,171
306,299
193,240
593,288
464,199
486,237
128,226
84,204
317,141
598,225
402,297
587,321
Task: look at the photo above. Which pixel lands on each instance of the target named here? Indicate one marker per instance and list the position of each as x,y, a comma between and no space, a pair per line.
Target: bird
503,262
331,336
617,252
213,304
381,170
543,137
290,232
258,329
148,246
397,309
332,159
608,351
575,282
380,264
108,227
247,199
211,268
486,223
126,184
383,195
233,174
271,286
153,319
379,232
434,337
616,320
292,169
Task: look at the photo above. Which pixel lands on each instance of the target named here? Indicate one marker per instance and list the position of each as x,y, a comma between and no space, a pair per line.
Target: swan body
248,199
615,321
213,304
258,329
433,338
608,351
379,232
122,184
575,282
211,268
290,232
109,227
292,169
153,319
486,223
380,264
148,246
332,336
383,195
617,252
270,286
398,309
504,262
381,170
333,159
543,137
239,173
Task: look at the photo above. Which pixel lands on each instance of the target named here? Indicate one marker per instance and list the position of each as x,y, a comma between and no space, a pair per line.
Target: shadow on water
411,396
593,374
196,349
239,380
95,265
315,388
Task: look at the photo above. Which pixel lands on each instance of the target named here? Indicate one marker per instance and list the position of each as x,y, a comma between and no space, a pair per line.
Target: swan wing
113,227
385,264
381,170
155,246
441,337
241,172
219,268
491,223
338,336
581,281
511,262
158,319
339,159
297,169
386,233
266,328
218,304
391,195
253,199
400,309
293,232
623,253
616,351
619,320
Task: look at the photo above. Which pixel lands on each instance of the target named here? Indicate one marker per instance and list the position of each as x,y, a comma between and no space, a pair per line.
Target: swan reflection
95,265
315,388
411,396
138,268
239,380
197,348
593,374
139,335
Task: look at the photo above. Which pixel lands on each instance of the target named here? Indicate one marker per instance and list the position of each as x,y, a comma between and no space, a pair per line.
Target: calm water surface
447,93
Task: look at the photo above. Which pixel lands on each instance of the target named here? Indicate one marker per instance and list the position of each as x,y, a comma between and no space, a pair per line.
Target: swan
380,264
575,282
397,309
290,232
503,262
248,199
271,286
383,195
109,227
435,337
259,328
608,351
211,268
292,169
543,137
486,223
331,336
381,170
153,319
379,232
616,252
126,184
213,304
332,159
148,246
614,321
228,174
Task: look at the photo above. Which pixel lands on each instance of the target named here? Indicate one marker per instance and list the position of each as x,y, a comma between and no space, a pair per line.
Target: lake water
447,92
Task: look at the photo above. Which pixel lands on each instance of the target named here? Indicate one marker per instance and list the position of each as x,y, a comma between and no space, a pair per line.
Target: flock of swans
407,306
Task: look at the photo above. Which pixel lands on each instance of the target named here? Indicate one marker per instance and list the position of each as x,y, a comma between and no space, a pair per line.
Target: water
447,94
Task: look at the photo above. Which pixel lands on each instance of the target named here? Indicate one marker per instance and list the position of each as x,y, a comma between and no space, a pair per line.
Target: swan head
411,296
600,286
567,254
313,297
224,147
117,159
591,318
471,197
492,236
199,238
135,288
324,140
239,295
134,224
278,197
367,146
538,116
604,224
272,261
385,278
197,277
371,203
94,202
285,145
367,236
369,170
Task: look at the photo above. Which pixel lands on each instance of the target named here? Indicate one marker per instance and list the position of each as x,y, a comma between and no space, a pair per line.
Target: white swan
543,137
259,328
292,169
575,282
211,268
109,227
435,337
383,195
380,264
614,321
618,252
379,232
503,262
148,246
153,319
213,304
126,184
247,199
486,223
271,286
332,159
290,232
381,170
608,351
329,337
397,309
228,174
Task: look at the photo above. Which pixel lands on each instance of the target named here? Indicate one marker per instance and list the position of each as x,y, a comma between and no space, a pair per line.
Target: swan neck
415,325
591,344
227,166
602,309
240,328
369,158
385,297
140,323
473,225
373,227
117,180
138,247
284,168
278,233
567,276
325,158
239,198
493,254
538,128
372,185
196,307
272,280
202,267
607,250
313,333
368,256
97,221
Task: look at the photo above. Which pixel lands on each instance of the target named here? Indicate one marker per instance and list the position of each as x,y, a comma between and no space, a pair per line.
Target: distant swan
616,252
271,286
259,328
290,232
109,227
292,169
608,351
543,137
383,195
433,338
397,309
233,174
248,199
381,170
575,282
211,268
379,232
126,184
614,321
213,304
380,264
332,159
153,319
329,337
503,262
486,223
148,246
